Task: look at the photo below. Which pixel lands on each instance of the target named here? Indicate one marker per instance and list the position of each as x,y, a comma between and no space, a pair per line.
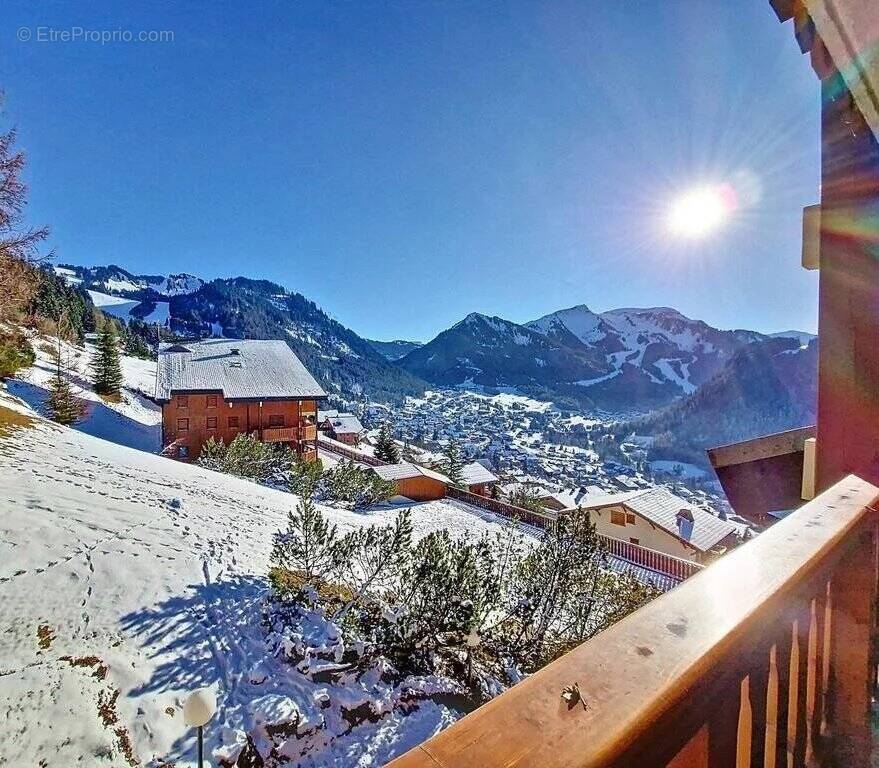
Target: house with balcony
766,658
660,520
220,388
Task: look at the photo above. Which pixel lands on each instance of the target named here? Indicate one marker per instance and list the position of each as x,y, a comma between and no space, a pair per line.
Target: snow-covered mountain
116,281
623,359
491,351
240,307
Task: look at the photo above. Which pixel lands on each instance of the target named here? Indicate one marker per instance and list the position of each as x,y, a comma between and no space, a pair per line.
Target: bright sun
700,211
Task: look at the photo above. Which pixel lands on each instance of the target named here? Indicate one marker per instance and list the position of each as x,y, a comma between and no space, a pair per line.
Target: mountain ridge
621,359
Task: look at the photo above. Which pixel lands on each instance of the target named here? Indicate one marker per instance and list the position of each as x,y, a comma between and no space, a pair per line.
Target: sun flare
699,212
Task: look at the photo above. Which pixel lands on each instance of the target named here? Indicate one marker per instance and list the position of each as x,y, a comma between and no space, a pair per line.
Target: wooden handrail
768,650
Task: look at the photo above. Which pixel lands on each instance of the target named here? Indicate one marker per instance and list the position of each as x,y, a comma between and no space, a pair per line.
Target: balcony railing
279,434
309,432
762,659
660,562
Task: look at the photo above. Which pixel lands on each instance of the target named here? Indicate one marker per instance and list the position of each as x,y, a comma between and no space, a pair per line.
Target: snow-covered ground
128,579
117,306
134,421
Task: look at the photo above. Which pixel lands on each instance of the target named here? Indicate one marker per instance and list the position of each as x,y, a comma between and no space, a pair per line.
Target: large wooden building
220,388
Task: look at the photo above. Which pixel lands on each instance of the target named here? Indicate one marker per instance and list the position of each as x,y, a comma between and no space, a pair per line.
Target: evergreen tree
453,466
64,406
311,545
385,448
105,363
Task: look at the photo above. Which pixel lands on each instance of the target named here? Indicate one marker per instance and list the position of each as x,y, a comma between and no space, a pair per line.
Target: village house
658,519
342,427
220,388
478,479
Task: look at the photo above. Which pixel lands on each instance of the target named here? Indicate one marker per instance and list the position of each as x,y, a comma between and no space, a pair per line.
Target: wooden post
854,596
848,310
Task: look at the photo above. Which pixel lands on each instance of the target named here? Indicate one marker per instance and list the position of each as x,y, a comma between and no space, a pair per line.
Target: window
630,518
183,451
212,422
211,401
276,420
233,421
617,517
634,541
182,401
183,425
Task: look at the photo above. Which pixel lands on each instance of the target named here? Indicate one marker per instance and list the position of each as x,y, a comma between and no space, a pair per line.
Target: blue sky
406,163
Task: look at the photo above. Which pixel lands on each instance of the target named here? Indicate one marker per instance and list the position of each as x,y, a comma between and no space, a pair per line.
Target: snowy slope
113,305
151,574
134,421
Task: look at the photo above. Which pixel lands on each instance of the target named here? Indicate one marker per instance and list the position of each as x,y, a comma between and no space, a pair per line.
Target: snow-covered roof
476,474
322,416
661,507
346,423
242,369
406,470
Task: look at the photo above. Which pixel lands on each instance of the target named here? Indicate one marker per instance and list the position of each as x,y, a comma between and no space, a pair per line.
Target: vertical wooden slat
758,684
783,664
796,714
851,660
825,658
815,699
745,736
770,741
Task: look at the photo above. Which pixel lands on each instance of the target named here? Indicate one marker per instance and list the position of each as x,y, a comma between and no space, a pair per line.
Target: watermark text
77,34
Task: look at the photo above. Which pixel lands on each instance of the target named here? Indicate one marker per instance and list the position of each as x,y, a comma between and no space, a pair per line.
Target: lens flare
701,211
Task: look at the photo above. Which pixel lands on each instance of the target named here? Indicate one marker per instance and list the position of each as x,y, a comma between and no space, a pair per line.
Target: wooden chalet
767,658
478,479
342,427
414,481
220,388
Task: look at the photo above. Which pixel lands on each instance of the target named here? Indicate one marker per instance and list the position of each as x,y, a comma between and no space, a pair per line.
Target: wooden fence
668,565
507,510
349,453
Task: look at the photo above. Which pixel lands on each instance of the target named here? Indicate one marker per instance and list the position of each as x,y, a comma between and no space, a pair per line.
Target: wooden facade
421,488
190,419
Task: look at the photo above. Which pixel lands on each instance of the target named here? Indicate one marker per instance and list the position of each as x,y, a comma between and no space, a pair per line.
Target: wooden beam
760,448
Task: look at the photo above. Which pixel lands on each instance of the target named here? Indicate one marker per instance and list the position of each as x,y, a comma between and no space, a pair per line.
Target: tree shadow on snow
209,635
99,421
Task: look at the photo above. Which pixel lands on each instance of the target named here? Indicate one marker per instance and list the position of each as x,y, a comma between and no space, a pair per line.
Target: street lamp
198,709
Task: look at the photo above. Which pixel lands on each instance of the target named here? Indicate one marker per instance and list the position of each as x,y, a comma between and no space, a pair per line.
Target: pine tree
311,544
386,448
453,466
105,363
64,406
